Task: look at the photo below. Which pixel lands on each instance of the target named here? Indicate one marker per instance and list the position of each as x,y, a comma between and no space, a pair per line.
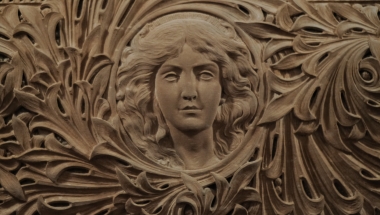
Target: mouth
190,108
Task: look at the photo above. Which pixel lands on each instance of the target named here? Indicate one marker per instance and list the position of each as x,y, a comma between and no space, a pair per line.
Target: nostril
190,98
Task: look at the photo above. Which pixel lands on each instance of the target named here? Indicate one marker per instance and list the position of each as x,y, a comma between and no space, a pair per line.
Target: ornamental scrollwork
189,107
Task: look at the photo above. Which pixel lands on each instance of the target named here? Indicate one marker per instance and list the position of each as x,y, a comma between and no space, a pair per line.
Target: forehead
188,59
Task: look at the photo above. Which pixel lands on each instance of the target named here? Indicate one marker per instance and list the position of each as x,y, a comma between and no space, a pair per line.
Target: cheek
212,94
165,95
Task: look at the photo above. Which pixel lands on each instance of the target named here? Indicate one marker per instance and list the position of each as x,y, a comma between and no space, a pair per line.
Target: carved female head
187,72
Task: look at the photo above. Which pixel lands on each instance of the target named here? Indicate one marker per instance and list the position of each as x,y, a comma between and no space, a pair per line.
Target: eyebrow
196,66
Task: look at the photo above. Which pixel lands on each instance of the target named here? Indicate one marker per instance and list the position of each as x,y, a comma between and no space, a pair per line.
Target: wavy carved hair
137,107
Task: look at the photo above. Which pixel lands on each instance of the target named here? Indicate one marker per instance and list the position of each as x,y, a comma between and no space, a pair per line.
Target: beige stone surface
189,107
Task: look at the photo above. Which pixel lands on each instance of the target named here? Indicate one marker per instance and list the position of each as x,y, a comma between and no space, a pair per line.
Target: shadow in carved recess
186,90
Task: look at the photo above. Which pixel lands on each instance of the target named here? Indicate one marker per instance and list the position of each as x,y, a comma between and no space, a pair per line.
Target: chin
194,126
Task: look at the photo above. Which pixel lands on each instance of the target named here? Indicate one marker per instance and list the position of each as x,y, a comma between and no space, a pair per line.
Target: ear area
222,101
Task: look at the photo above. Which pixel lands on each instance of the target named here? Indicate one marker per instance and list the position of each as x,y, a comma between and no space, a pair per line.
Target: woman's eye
171,76
206,75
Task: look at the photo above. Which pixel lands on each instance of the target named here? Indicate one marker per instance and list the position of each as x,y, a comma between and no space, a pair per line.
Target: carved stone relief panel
189,107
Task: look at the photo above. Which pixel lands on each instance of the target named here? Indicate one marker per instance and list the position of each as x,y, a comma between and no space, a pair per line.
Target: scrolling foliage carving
310,145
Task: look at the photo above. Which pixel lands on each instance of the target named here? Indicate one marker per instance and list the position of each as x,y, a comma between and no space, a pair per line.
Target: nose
189,91
189,98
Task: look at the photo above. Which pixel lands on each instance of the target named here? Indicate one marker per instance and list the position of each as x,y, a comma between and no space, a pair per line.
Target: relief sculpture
187,86
189,107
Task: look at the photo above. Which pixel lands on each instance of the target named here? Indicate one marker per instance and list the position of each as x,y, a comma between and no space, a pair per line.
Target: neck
195,148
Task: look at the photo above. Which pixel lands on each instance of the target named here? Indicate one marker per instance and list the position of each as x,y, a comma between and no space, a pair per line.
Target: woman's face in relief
188,91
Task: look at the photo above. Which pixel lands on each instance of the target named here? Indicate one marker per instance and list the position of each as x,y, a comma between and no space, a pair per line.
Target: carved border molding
313,147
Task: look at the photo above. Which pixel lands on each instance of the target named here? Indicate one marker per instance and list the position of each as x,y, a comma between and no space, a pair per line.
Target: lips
190,108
